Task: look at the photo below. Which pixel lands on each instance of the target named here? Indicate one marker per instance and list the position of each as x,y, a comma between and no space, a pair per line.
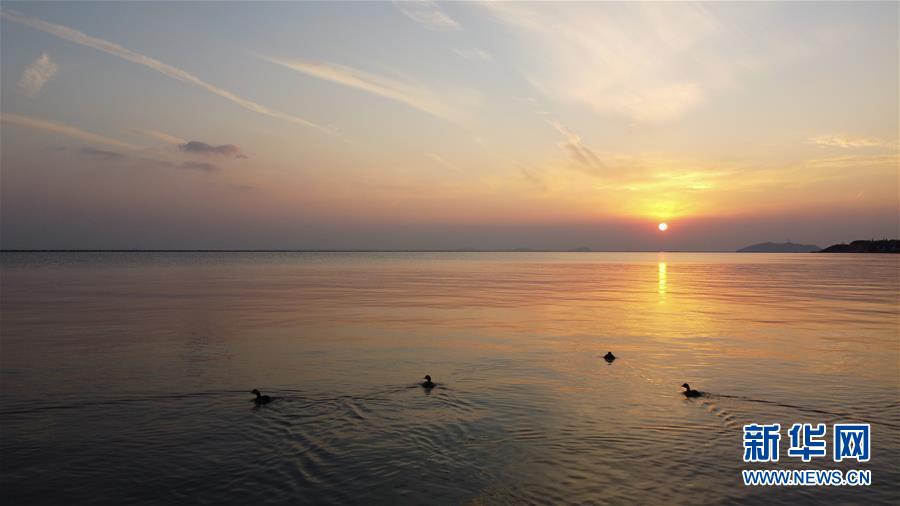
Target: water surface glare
126,376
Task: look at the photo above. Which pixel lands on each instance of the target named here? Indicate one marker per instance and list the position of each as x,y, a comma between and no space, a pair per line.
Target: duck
260,398
690,393
427,383
609,357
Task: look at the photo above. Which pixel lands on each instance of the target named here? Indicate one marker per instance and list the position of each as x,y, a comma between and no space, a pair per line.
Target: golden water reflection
662,280
517,338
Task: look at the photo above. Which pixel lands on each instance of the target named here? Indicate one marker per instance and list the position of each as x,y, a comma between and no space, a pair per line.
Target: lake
126,376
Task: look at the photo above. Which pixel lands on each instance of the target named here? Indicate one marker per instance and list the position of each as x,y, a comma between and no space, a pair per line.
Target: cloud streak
37,75
846,141
202,148
70,131
475,54
102,154
428,14
114,49
160,136
105,155
584,157
443,162
411,94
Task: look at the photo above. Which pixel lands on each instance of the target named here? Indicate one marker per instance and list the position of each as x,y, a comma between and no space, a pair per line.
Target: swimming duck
260,398
427,383
690,393
609,357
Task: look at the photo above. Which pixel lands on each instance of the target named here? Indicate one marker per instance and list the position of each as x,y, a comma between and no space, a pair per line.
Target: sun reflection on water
662,278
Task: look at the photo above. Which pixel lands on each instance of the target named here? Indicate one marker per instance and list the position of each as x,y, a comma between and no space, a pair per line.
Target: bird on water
427,383
688,392
609,357
260,398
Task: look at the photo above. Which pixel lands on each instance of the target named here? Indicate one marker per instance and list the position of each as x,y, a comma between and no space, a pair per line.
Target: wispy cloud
70,131
160,136
36,75
584,158
202,148
634,172
650,63
407,92
102,154
194,147
846,141
856,162
444,163
477,55
428,14
77,37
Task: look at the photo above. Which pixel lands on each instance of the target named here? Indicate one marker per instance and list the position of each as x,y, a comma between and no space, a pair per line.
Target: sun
663,227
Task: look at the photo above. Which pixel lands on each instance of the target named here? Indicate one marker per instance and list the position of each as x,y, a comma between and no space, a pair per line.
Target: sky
460,125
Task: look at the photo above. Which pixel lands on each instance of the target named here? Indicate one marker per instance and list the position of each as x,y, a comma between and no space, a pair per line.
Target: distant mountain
581,249
882,246
779,247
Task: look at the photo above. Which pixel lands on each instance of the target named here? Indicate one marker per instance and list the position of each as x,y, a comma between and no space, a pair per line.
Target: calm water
125,376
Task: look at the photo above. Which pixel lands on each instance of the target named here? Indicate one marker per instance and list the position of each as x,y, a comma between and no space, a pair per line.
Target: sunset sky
447,125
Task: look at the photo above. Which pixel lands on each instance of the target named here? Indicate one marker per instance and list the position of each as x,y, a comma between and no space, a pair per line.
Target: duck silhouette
609,357
427,384
260,398
690,393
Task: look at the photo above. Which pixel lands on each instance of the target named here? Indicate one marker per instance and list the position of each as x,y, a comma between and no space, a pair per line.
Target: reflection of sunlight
662,278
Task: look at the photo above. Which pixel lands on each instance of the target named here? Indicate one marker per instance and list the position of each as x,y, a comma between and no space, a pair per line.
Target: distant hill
581,249
882,246
779,247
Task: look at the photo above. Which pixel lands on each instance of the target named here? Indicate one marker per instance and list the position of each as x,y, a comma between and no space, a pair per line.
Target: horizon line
463,250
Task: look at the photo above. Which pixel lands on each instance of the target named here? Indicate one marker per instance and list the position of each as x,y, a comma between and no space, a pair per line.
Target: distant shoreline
859,246
881,246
